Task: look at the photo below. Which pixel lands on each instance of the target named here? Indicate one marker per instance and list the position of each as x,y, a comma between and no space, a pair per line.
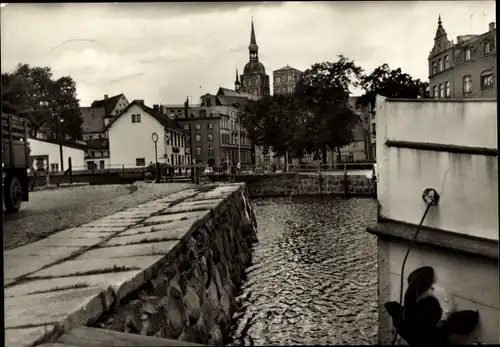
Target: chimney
140,101
492,26
106,111
156,108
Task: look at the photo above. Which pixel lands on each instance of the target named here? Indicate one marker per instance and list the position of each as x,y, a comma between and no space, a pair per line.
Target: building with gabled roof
131,137
465,69
95,118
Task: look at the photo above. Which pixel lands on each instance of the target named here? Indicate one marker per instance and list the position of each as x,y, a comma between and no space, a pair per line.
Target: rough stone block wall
192,296
290,184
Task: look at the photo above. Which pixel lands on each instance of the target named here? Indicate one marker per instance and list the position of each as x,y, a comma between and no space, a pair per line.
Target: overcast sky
163,52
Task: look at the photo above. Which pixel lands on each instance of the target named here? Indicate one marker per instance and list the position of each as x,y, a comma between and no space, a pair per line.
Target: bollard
70,172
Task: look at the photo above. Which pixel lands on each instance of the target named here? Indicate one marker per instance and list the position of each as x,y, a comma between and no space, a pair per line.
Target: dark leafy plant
420,320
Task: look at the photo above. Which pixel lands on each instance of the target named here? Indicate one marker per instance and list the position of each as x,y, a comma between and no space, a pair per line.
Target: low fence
115,175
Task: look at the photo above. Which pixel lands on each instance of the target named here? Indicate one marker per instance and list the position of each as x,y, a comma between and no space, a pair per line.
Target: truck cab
15,162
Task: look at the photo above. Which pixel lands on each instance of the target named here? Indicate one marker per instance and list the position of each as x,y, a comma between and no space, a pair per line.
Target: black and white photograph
251,173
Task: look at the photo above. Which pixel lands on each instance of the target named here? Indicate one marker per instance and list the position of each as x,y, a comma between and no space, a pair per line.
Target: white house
46,155
131,138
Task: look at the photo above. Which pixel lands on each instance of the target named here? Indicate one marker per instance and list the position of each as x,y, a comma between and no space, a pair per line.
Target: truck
15,162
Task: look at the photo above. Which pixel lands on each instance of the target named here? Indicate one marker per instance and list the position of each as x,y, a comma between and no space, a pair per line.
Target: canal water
313,279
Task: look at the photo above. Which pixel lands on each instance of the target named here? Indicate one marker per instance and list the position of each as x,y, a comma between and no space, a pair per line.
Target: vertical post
192,172
239,140
123,171
59,121
157,164
70,171
346,181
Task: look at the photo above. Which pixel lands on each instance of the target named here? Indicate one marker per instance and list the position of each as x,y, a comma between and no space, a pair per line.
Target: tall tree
324,93
274,123
43,101
392,84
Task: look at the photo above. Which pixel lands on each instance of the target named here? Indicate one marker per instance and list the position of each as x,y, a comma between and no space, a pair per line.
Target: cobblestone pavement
49,211
314,274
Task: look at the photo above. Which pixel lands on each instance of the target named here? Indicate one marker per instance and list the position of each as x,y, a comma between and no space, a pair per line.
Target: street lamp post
154,137
237,106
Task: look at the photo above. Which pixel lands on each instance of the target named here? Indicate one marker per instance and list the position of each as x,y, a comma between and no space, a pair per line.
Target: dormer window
468,54
487,47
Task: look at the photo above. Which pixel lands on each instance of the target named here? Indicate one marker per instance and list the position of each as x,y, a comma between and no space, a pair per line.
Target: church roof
254,66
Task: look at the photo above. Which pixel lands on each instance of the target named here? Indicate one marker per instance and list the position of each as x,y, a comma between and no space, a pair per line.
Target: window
440,65
136,118
101,164
140,162
210,126
277,79
198,150
267,159
210,150
210,137
441,90
468,54
198,137
446,62
197,127
487,47
435,92
467,84
54,167
446,89
487,79
186,126
434,68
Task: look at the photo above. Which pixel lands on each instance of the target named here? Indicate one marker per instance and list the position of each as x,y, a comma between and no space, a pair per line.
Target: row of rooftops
95,115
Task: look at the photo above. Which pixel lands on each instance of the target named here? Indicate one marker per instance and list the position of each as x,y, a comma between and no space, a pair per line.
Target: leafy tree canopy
47,103
324,93
392,84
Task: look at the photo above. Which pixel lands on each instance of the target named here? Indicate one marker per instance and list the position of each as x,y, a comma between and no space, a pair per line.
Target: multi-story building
254,79
214,128
465,69
95,119
285,80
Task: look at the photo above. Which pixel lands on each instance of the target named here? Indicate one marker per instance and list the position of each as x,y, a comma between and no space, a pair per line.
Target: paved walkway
60,282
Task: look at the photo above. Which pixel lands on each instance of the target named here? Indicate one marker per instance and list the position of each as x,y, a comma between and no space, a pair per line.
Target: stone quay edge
168,268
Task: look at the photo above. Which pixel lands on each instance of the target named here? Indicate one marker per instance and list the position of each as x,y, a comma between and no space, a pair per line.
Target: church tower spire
253,48
237,84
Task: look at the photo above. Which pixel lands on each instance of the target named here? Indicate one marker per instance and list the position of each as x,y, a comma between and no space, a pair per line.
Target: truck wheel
12,194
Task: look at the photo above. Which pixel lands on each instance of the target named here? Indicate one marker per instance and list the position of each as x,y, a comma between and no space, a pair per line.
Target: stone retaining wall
170,268
290,184
192,295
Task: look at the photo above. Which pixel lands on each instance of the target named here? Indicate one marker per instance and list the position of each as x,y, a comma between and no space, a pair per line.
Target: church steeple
237,82
253,48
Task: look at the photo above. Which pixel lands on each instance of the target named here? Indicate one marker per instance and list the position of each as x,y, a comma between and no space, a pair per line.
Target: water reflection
313,278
